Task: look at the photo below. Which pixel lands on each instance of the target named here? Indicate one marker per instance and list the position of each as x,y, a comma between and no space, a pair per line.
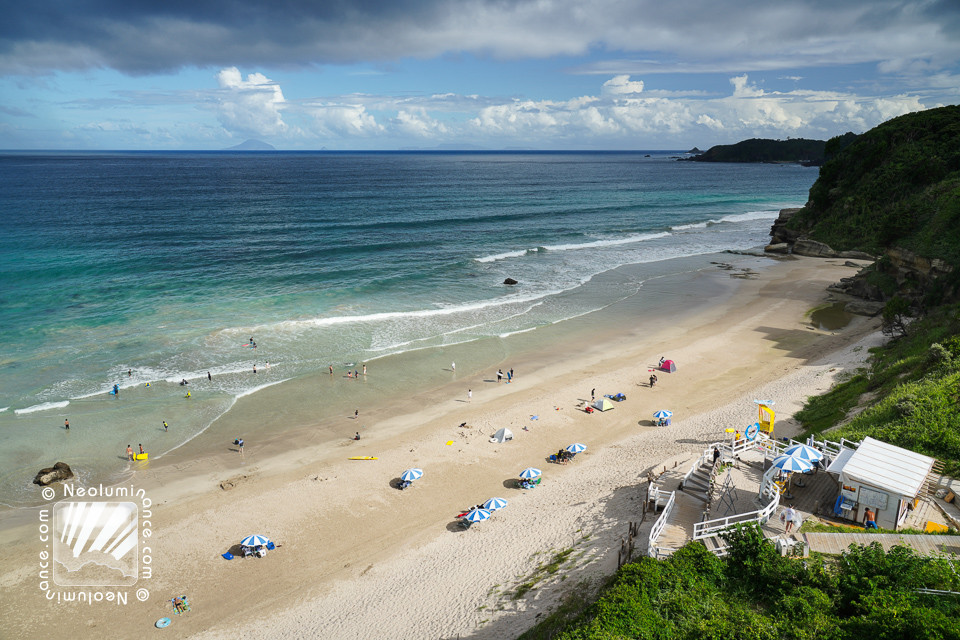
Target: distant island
252,145
799,150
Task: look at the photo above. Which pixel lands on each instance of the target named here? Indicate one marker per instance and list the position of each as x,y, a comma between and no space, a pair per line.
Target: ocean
143,270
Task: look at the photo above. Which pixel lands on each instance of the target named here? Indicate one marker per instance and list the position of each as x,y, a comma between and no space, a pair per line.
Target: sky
490,74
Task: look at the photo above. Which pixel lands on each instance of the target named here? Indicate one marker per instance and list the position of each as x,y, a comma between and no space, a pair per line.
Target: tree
895,316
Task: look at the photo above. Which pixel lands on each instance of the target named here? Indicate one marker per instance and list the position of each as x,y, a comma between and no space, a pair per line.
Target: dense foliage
762,150
896,185
912,393
755,593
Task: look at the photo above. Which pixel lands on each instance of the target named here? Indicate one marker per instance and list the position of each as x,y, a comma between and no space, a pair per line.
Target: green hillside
762,150
896,185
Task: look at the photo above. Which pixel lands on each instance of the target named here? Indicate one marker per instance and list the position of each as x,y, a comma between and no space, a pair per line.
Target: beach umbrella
663,413
530,472
477,515
411,474
576,447
804,452
792,464
495,504
254,541
769,403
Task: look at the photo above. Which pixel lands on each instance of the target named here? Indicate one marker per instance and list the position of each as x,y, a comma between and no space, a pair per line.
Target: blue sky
538,74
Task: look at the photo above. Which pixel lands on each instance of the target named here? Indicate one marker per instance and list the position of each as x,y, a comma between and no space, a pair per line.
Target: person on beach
788,519
355,374
129,452
254,368
716,454
510,375
164,426
141,448
469,395
499,375
593,395
239,443
356,413
209,377
66,424
357,437
653,381
662,360
331,369
116,390
188,395
364,369
453,367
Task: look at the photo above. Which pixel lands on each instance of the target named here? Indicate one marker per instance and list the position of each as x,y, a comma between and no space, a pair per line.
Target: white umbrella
411,474
254,541
663,413
804,452
477,515
792,464
495,504
530,472
769,403
576,447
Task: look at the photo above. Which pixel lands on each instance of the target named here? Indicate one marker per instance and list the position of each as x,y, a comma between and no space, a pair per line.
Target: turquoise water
142,268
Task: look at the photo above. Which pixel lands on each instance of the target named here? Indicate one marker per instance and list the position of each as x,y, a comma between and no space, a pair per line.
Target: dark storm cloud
147,36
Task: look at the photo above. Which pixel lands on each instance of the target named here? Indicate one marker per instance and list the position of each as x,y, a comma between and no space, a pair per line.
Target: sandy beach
358,555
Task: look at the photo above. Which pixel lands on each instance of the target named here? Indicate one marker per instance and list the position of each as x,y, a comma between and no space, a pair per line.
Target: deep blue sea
150,268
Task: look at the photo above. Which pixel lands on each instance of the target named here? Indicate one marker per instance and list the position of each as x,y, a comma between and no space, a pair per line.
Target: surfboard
363,458
141,456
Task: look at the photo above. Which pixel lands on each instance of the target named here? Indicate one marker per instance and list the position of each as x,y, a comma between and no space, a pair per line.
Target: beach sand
359,559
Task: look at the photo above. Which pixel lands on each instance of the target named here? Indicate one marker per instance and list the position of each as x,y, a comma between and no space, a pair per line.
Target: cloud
343,120
621,86
249,107
145,37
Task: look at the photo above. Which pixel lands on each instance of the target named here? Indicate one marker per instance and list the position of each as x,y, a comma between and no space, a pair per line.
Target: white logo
95,544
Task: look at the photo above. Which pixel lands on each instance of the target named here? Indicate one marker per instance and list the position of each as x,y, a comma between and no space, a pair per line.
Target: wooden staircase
700,483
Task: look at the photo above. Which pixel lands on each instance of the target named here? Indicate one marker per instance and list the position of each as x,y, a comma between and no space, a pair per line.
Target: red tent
669,366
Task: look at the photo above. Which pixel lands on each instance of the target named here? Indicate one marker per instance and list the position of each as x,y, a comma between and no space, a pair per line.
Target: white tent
502,435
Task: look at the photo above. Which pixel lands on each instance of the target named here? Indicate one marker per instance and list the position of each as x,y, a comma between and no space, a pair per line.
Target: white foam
513,333
642,237
507,254
253,390
750,215
4,409
42,407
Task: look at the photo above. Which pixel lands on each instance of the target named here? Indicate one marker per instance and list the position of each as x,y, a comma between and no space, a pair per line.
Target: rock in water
57,473
509,281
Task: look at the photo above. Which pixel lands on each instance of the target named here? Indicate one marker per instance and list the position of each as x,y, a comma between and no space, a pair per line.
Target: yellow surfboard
363,458
141,456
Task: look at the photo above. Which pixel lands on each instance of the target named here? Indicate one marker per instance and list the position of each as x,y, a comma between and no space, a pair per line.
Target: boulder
856,255
779,232
509,281
57,473
780,247
863,307
813,249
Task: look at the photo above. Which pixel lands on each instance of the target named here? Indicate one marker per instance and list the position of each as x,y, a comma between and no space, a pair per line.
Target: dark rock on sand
57,473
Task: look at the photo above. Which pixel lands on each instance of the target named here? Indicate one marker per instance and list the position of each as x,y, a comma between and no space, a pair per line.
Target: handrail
658,526
711,528
696,465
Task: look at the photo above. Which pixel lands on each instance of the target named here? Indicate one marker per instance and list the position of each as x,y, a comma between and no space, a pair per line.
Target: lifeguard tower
767,416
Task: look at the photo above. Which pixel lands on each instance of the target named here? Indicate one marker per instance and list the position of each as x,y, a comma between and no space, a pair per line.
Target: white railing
659,525
706,455
712,528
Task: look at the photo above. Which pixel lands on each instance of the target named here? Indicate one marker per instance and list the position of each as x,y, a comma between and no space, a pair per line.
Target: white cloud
621,86
333,119
251,106
417,123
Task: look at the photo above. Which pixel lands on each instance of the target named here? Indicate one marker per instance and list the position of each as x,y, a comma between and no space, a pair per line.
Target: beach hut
603,404
502,435
887,479
669,366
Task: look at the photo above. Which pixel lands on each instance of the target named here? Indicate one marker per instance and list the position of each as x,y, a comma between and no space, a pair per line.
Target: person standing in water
66,424
364,369
164,426
129,452
209,377
453,367
116,390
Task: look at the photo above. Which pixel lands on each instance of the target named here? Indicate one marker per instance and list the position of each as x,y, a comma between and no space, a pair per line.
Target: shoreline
729,348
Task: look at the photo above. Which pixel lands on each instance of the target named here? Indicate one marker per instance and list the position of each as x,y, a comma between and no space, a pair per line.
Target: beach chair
248,551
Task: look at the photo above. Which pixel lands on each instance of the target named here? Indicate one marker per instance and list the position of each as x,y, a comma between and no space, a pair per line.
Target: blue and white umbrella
576,447
530,472
792,464
254,541
477,515
411,474
663,413
495,504
804,452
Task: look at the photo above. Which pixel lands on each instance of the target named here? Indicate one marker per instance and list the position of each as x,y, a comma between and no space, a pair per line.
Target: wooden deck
679,529
837,543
